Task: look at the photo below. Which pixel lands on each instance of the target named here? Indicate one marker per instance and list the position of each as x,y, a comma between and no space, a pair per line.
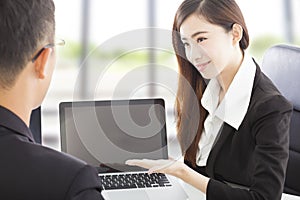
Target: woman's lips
202,67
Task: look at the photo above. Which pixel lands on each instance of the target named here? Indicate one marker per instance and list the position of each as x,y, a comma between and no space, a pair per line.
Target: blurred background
95,58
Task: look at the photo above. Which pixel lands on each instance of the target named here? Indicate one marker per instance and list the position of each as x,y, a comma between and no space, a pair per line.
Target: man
27,58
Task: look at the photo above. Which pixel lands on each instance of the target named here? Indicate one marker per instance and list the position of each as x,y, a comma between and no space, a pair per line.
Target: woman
240,146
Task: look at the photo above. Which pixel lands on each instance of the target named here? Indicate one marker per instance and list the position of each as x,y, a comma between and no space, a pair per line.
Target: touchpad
128,194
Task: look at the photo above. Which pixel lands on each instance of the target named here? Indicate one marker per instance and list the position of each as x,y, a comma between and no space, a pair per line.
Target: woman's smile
202,66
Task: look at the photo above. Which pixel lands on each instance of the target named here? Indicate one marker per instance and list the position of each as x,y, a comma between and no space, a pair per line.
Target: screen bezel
64,105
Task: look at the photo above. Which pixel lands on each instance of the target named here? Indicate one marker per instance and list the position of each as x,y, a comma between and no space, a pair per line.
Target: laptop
107,133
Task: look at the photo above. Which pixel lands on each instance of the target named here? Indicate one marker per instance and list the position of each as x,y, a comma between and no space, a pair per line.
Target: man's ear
237,33
40,63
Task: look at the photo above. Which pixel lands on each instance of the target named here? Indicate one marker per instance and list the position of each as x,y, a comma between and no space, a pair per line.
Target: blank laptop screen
111,132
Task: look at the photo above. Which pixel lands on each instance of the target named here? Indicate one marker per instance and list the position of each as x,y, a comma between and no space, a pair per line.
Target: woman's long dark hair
224,13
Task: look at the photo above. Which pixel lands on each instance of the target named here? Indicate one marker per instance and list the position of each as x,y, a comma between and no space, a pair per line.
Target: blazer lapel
225,132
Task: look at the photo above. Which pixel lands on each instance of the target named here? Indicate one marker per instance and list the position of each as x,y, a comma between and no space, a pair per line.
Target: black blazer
255,155
31,171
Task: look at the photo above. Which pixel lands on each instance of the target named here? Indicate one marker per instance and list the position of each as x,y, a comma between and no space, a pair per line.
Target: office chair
35,125
281,63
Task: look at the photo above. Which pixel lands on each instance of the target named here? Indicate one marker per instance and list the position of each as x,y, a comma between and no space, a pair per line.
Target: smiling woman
243,127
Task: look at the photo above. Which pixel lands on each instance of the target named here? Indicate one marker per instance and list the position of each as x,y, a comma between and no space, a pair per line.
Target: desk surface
195,194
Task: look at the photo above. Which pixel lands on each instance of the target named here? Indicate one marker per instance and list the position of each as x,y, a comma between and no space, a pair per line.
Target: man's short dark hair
24,25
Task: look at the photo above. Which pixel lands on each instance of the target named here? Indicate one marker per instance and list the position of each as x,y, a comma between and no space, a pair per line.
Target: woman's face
207,46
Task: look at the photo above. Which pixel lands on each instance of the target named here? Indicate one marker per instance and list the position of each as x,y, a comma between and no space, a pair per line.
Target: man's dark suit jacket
29,171
255,155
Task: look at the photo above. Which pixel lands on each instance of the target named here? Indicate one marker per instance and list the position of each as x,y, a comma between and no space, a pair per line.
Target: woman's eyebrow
197,33
194,34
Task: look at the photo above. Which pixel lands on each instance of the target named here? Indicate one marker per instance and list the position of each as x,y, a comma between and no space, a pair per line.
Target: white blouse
231,110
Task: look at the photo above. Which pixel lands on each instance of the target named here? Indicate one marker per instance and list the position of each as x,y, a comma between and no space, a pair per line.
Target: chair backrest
281,63
35,125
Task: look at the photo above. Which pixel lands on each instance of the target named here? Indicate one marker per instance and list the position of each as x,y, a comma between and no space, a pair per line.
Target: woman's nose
196,53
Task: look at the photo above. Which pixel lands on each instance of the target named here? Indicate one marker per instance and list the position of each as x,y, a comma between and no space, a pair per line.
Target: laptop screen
107,133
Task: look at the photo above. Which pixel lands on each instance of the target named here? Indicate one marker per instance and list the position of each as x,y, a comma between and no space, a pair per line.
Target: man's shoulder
35,153
78,175
54,157
39,167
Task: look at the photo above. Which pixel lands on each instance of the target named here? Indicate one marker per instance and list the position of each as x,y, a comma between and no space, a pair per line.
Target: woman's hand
172,167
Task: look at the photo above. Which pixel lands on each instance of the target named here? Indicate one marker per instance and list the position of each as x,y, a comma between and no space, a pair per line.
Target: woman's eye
201,39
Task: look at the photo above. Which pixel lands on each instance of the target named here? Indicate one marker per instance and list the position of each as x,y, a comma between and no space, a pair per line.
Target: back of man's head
24,26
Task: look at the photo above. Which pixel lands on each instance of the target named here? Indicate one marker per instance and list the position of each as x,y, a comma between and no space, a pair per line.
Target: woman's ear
41,63
237,33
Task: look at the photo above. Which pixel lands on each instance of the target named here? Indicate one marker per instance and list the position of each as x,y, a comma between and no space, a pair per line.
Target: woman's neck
226,76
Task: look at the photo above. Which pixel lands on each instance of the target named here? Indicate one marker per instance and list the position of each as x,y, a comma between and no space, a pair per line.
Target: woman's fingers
145,163
132,162
157,166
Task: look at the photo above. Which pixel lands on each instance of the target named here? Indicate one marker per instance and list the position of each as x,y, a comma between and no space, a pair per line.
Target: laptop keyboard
133,180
